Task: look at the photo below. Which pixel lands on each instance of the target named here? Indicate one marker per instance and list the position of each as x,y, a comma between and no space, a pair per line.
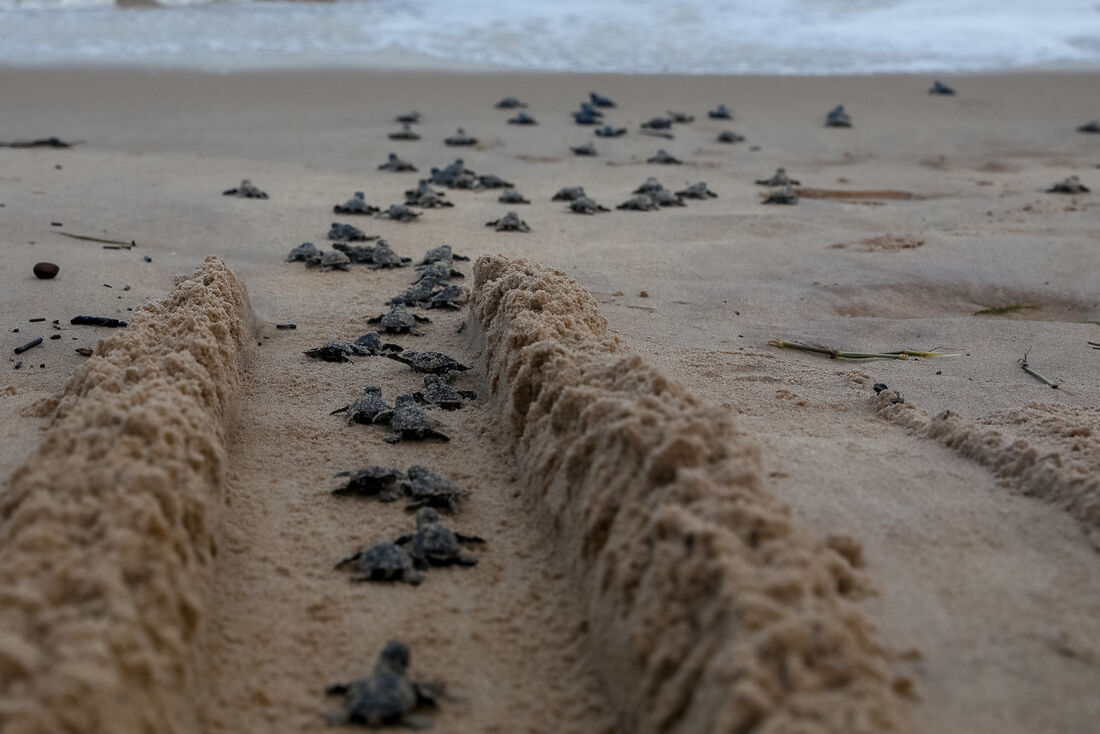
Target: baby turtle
442,253
721,112
489,181
306,252
1071,185
837,117
610,132
387,696
664,197
355,205
729,136
396,165
510,222
586,149
405,133
680,118
245,191
939,87
409,118
639,203
425,488
425,197
435,363
437,272
399,320
781,195
410,423
510,103
664,158
779,178
600,101
416,294
657,123
569,193
382,562
697,191
385,257
334,260
398,213
584,205
511,196
650,186
367,408
333,351
1092,126
586,118
435,544
348,233
371,344
460,138
449,296
372,481
437,392
522,119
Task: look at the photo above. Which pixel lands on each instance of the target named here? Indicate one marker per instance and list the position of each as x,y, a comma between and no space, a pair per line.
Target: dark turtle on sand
587,149
306,252
425,197
697,191
510,103
333,260
409,118
779,178
511,196
398,213
417,294
1092,126
522,119
376,257
781,195
372,481
663,157
437,272
387,696
449,297
410,423
382,562
664,197
721,112
599,101
610,132
396,165
405,133
489,181
729,136
584,205
939,87
425,488
437,392
399,320
460,138
435,363
348,233
680,118
651,185
367,408
371,344
569,193
586,118
510,222
245,191
639,203
333,351
355,205
1071,185
443,253
423,186
837,117
435,544
657,123
455,176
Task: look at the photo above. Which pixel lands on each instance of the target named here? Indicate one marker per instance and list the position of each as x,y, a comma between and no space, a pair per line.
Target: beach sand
978,530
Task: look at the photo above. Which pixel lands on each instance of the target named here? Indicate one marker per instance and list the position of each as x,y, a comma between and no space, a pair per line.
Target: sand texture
109,529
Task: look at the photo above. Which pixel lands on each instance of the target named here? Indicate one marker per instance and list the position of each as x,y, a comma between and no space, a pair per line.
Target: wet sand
988,574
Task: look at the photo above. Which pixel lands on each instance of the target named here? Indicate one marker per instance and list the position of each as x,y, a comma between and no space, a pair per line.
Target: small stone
45,270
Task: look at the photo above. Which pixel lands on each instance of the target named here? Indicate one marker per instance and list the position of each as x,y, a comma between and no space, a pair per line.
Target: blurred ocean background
644,36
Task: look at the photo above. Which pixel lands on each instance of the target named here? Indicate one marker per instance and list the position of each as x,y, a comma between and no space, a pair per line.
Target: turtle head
395,656
426,516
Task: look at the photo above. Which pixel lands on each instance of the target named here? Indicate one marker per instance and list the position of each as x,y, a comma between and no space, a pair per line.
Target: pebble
45,270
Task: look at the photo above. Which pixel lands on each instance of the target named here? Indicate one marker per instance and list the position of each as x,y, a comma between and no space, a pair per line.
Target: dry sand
975,534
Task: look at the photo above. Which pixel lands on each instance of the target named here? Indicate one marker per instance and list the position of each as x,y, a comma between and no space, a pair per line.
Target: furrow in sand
708,609
107,532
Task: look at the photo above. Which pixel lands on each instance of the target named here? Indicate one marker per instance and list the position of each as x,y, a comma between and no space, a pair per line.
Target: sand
977,549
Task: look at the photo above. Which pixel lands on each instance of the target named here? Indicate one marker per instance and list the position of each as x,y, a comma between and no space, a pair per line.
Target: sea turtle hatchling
405,133
435,363
333,260
663,197
410,423
368,408
396,165
522,119
721,112
729,136
410,118
355,205
599,100
650,185
306,252
639,203
779,178
663,157
387,696
348,233
510,222
371,344
489,181
449,297
425,197
245,191
443,253
511,196
510,103
460,138
697,191
437,272
1071,185
382,562
435,544
610,132
584,205
587,118
781,195
837,117
657,123
380,482
437,392
1092,126
588,149
425,488
569,193
680,118
333,351
939,87
399,320
398,213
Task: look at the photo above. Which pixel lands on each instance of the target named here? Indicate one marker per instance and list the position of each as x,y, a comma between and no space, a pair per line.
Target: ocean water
650,36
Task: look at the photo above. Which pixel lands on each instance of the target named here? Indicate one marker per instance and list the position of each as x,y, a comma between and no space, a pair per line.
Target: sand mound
106,533
710,610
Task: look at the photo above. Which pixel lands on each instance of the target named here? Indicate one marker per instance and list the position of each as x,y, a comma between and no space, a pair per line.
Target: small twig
1094,345
131,243
837,354
1024,366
